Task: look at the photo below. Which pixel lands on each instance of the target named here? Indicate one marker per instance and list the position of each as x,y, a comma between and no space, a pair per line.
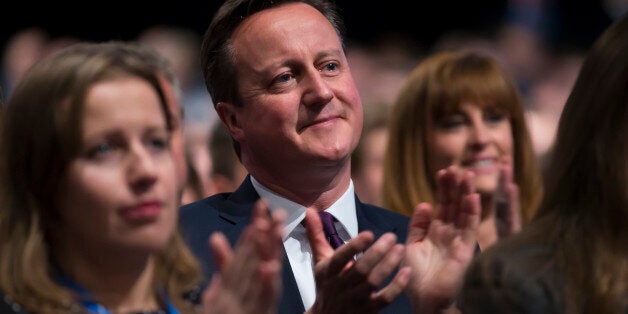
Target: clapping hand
346,285
506,203
249,276
440,246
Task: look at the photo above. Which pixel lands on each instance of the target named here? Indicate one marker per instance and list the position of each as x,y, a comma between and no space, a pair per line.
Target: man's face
300,106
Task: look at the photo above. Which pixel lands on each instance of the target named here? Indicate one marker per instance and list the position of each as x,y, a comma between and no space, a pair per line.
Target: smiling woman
460,108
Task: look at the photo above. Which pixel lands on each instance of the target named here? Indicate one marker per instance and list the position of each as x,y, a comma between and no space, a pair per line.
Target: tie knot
330,229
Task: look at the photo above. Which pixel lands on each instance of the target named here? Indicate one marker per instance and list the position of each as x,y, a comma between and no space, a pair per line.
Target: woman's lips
145,211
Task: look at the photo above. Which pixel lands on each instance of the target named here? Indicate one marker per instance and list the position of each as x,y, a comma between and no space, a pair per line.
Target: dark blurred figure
22,50
181,46
227,170
367,169
573,257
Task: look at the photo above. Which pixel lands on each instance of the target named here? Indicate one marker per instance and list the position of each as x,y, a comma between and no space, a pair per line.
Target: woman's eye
494,117
451,122
158,143
100,150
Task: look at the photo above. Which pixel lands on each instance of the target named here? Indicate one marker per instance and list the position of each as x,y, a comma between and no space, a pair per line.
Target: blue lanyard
94,307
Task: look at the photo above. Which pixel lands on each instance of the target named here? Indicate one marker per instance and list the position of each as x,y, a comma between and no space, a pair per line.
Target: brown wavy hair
440,84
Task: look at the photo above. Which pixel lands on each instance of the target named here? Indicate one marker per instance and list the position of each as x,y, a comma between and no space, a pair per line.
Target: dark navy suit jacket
230,213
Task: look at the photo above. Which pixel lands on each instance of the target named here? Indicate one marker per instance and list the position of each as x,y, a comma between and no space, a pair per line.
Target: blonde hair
41,132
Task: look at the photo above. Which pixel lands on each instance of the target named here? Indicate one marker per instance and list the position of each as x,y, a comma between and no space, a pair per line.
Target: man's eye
330,67
283,78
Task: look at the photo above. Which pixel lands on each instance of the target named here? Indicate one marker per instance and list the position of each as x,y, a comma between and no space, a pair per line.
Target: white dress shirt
295,239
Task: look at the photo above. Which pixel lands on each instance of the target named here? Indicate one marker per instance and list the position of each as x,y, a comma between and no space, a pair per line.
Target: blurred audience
172,92
546,99
181,46
380,70
24,49
367,160
227,171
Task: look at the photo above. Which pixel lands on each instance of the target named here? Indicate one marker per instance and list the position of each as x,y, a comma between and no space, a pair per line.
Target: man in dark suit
230,213
280,81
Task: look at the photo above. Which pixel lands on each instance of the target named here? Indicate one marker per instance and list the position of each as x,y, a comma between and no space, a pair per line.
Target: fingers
515,208
385,266
452,188
506,164
277,231
448,192
345,254
506,203
470,218
248,277
388,294
341,281
377,263
467,187
321,249
221,250
419,223
211,294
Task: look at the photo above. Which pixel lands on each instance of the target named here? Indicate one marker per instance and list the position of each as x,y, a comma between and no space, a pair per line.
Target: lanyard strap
93,307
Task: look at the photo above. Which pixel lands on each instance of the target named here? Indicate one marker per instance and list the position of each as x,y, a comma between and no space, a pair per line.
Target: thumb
316,236
221,249
419,223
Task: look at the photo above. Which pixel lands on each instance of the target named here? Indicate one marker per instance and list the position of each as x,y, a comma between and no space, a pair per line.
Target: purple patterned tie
330,230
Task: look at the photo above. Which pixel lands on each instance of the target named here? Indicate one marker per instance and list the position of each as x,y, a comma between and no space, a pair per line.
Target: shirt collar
343,209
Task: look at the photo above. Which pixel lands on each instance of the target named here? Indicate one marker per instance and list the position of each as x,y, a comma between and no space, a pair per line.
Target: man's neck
318,193
317,198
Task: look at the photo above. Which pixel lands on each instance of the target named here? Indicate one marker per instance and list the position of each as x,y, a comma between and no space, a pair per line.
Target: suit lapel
235,212
369,220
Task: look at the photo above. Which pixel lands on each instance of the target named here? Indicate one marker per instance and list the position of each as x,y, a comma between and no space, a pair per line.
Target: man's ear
228,114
